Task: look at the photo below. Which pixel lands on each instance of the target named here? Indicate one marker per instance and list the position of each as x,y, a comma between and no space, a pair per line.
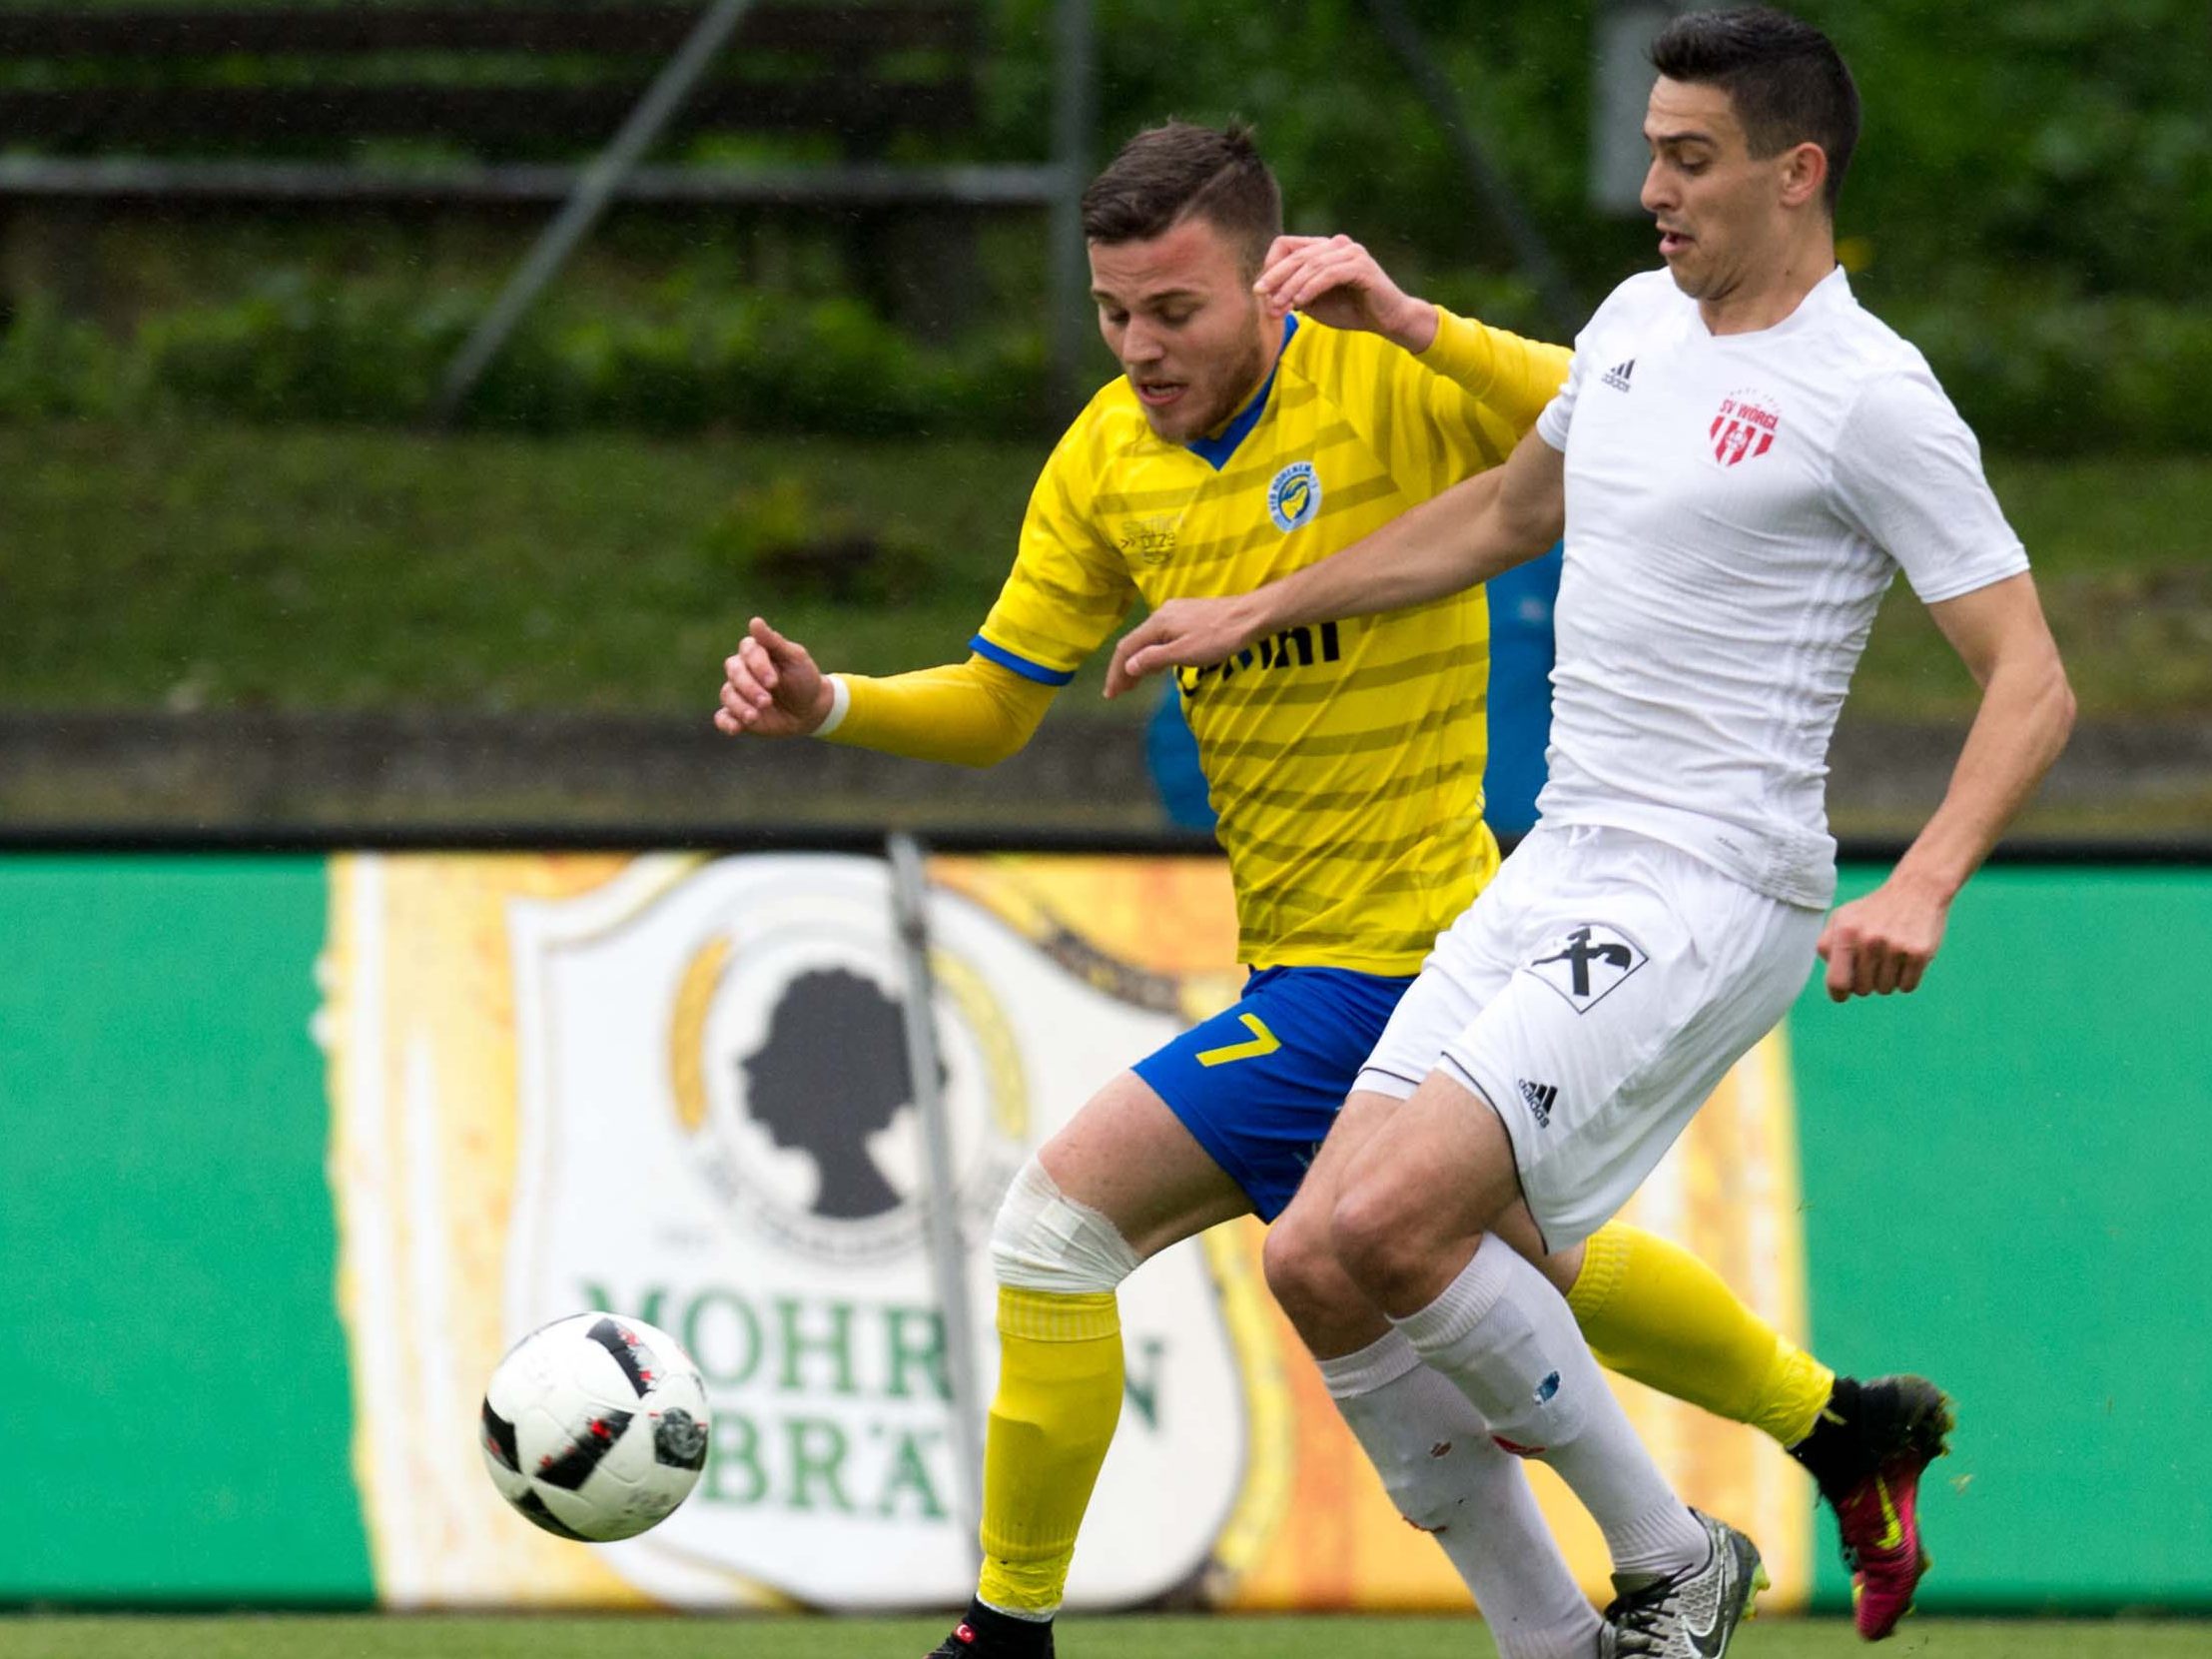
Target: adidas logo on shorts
1540,1097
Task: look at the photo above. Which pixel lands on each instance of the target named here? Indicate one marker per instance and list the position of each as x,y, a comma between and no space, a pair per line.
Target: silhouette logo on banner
833,1073
787,1050
716,1128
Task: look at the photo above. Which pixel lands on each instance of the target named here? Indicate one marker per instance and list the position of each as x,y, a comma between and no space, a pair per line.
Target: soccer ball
595,1427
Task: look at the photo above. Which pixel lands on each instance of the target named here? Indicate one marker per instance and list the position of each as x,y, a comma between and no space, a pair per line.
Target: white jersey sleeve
1628,300
1559,413
1908,476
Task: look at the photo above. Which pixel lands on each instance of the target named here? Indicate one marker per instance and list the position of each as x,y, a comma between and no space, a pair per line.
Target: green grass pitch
249,1636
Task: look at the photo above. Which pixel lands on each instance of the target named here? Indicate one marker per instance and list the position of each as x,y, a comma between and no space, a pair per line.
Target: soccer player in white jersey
1741,460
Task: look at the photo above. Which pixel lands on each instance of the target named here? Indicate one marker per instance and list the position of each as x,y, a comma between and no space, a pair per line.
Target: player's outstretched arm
972,713
1885,941
771,687
1481,526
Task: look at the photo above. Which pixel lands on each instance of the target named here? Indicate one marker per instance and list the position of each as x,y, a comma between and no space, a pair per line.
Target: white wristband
841,699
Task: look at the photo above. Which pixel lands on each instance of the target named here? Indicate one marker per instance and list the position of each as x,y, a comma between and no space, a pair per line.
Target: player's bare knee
1379,1244
1301,1267
1042,1239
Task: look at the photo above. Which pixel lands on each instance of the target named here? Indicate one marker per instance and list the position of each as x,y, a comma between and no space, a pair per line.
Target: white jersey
1736,505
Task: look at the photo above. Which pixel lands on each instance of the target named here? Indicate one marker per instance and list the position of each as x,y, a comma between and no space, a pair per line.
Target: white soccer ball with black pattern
595,1427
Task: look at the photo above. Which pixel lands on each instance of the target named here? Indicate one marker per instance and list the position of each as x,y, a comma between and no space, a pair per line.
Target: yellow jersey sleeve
1481,389
972,713
1070,584
1515,378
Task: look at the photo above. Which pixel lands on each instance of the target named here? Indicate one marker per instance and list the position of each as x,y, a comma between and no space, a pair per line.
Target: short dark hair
1166,174
1786,81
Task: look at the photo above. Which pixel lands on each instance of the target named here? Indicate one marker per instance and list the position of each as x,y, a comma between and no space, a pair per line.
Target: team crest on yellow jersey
1294,497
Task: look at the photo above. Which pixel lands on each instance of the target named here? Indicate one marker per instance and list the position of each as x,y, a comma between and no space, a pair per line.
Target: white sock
1441,1468
1507,1340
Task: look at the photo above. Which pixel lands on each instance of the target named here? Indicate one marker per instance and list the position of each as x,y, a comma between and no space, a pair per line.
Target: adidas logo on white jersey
1617,375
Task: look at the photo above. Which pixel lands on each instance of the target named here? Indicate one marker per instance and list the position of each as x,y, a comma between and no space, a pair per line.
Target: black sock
1002,1634
1834,1453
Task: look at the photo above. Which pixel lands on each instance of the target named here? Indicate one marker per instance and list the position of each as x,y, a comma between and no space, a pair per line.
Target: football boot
986,1634
1880,1437
1694,1614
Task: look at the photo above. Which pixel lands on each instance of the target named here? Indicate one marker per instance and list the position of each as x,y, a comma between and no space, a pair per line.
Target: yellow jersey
1344,762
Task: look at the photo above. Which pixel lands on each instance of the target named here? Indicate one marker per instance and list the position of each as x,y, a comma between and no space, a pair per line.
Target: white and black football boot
1694,1614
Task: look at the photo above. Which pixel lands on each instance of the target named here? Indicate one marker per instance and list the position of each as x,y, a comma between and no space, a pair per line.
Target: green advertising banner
2002,1183
2004,1178
177,1390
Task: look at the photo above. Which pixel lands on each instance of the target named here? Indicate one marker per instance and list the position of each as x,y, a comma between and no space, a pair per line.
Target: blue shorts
1260,1083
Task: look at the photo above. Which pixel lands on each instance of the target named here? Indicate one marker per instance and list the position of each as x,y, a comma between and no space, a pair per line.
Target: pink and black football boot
1867,1453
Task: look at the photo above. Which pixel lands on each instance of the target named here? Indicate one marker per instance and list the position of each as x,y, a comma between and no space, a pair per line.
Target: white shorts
1595,994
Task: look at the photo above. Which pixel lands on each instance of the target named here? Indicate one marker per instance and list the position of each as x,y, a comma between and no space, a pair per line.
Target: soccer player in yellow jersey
1244,441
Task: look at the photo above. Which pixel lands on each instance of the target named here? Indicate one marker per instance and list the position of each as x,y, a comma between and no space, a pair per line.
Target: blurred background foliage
219,418
2032,203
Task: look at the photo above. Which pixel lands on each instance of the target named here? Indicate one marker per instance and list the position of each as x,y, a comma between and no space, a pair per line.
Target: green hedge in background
2067,138
306,347
2115,374
2032,203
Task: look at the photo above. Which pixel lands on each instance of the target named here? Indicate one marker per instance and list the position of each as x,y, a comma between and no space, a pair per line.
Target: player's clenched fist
771,687
1882,942
1335,281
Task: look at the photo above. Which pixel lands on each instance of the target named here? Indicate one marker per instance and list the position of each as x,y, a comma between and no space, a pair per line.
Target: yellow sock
1060,1396
1654,1313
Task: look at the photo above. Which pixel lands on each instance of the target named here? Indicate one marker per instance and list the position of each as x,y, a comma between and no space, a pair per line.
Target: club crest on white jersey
1746,426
